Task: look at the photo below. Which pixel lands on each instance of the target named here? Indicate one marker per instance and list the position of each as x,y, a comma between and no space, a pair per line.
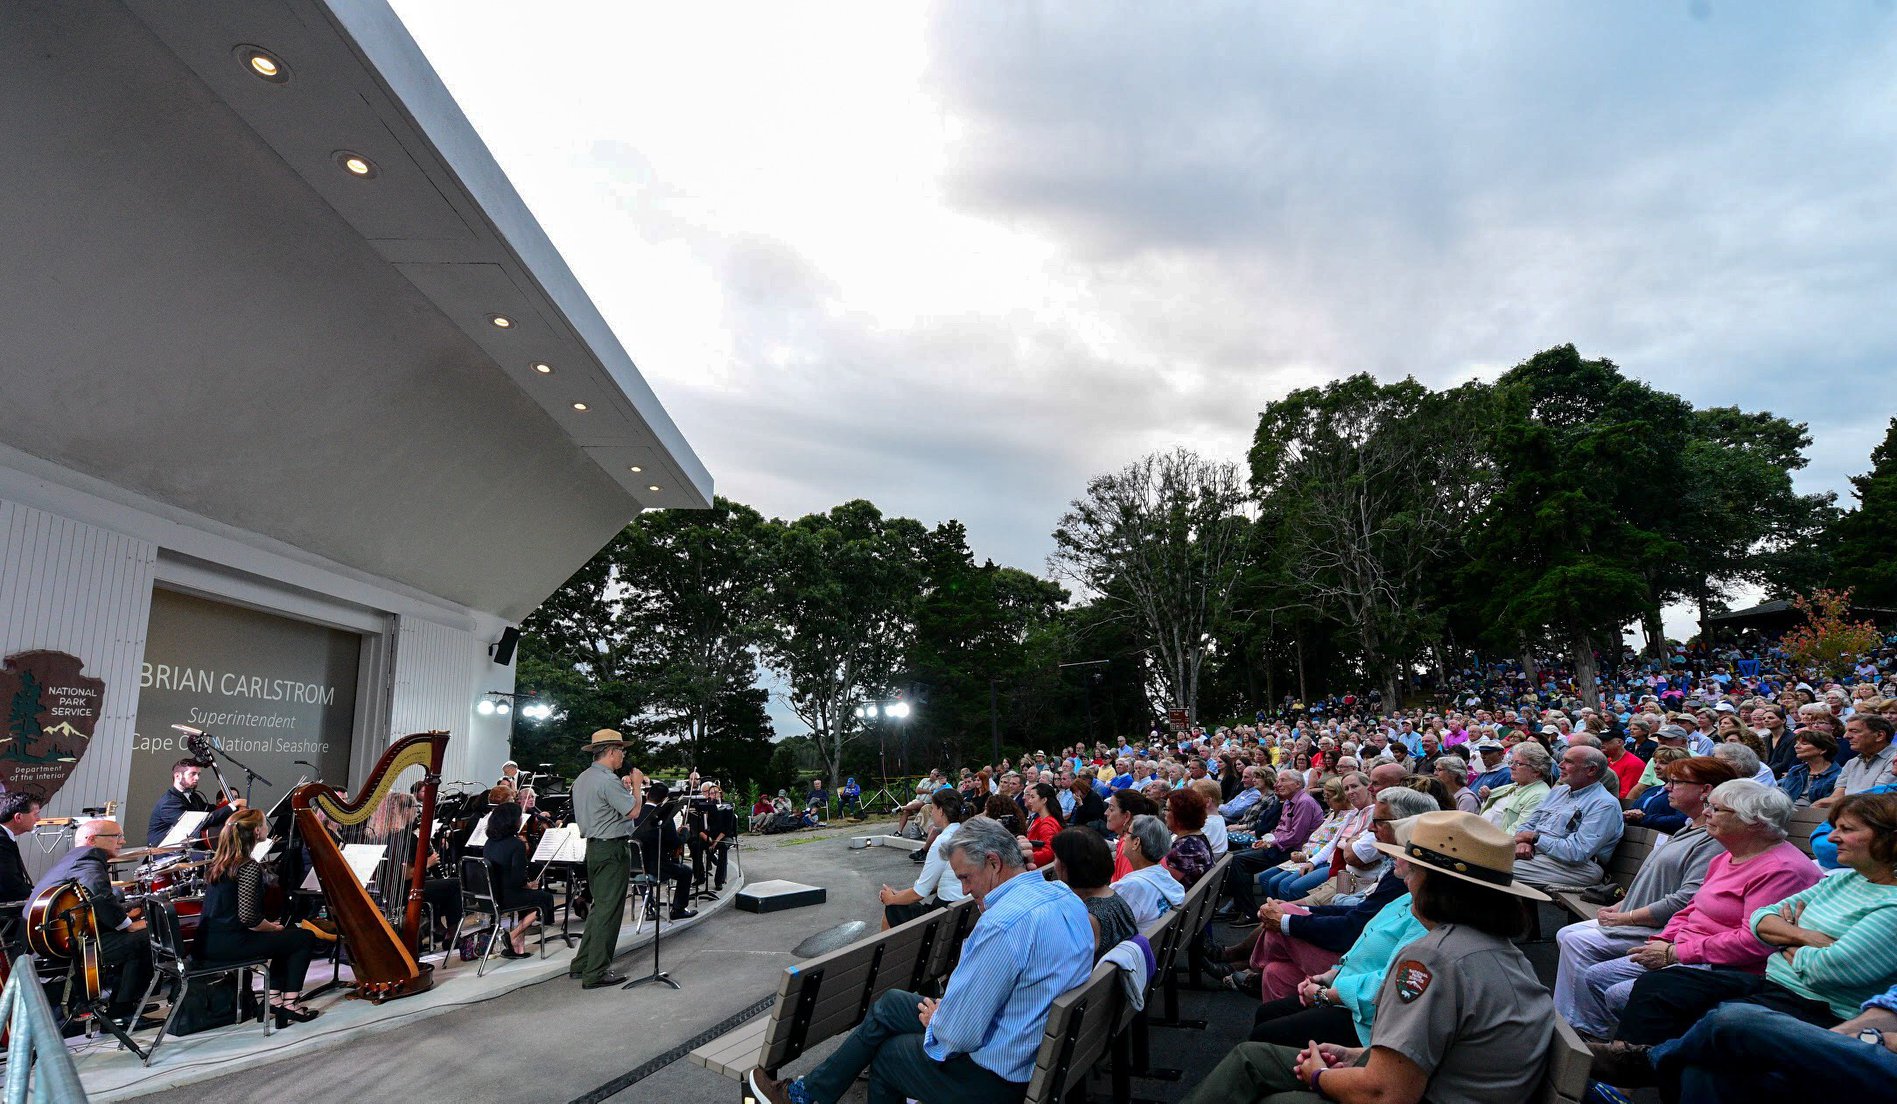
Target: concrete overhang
205,306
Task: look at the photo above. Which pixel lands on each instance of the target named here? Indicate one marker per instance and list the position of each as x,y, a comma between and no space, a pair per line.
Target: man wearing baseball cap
1494,773
605,808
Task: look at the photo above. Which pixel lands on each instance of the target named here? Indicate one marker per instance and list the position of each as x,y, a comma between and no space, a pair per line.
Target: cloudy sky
956,259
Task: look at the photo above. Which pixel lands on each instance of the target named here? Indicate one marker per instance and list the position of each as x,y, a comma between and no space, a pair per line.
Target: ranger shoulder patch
1412,980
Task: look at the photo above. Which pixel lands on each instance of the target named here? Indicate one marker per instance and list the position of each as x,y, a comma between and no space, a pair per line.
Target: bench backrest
1804,820
1565,1081
830,994
1158,934
1635,845
1080,1027
957,921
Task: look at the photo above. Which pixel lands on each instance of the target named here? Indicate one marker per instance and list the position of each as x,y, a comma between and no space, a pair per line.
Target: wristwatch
1871,1035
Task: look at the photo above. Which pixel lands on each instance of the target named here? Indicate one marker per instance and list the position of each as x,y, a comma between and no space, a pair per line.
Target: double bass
385,960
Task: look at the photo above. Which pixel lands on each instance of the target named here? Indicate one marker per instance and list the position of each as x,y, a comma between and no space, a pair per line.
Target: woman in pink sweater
1758,869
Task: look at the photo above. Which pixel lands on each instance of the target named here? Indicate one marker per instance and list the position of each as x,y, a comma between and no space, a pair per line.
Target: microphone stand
654,887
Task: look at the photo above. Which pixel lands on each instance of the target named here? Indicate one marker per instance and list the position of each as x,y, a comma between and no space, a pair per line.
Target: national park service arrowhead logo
1412,980
48,711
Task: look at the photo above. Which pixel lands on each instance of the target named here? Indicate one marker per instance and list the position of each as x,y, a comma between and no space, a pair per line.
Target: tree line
1376,530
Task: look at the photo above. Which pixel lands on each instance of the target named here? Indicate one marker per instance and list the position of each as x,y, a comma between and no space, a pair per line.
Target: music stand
651,887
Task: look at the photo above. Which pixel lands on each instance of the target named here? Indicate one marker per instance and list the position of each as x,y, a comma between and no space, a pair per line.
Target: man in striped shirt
977,1044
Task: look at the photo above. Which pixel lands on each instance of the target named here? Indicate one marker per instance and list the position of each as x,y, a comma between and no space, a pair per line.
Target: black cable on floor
658,1062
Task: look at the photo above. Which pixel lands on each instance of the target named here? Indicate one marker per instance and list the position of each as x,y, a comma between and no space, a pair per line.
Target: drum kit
175,874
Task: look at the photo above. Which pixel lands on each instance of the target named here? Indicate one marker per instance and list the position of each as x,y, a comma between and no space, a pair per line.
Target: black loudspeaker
504,650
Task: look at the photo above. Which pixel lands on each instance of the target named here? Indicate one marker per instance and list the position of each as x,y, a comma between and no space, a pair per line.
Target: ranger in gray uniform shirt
605,808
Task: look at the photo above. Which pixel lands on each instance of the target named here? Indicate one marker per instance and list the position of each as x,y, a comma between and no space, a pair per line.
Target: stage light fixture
503,707
635,469
580,407
544,369
356,164
501,321
653,487
485,707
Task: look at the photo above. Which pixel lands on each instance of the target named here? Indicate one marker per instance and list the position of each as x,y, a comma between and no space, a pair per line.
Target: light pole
871,713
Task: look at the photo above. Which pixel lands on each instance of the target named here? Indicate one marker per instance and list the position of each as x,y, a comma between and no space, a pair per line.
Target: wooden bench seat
1804,821
830,994
1569,1060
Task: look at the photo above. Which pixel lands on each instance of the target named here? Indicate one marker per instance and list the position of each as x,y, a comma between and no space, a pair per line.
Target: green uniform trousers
608,867
1255,1072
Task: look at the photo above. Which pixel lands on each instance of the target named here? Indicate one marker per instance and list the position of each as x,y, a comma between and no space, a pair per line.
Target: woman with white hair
1453,771
1758,867
1746,761
1507,806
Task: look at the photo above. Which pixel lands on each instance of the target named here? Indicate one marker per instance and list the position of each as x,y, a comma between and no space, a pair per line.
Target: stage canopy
255,258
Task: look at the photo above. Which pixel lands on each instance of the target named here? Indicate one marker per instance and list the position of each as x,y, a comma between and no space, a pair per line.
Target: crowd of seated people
1384,864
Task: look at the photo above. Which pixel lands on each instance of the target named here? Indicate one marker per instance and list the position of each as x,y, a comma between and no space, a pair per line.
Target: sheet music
479,836
262,850
560,845
363,859
186,827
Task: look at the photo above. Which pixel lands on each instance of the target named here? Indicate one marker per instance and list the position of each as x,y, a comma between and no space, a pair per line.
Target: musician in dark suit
183,797
659,847
19,812
712,827
124,944
506,859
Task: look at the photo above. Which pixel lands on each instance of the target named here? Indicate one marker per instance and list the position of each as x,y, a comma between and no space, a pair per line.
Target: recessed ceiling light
635,469
652,487
356,164
501,320
263,64
579,406
544,369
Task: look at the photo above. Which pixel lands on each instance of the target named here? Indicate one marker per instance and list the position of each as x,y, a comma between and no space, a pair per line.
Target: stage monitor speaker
504,649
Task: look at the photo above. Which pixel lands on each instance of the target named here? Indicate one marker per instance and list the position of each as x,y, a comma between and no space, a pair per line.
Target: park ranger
604,808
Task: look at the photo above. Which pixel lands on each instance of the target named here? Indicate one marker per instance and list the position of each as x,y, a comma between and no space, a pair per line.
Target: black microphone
303,763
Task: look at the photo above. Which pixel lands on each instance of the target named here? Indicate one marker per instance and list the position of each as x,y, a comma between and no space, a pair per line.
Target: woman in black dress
507,869
234,924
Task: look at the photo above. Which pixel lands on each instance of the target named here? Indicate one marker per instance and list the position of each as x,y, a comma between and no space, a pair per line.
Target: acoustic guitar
60,926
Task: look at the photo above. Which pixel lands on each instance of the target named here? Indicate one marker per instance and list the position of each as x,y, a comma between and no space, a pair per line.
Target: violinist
533,819
235,929
183,797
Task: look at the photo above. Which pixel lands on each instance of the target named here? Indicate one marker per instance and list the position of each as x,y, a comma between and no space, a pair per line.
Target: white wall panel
76,588
440,672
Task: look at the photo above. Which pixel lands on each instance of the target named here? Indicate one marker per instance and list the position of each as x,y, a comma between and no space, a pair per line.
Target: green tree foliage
1862,540
1571,543
1368,488
1737,519
839,615
973,622
1165,542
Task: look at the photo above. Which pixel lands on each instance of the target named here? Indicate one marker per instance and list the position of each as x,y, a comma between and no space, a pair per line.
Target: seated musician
124,944
510,775
393,825
235,929
19,812
183,797
659,846
507,869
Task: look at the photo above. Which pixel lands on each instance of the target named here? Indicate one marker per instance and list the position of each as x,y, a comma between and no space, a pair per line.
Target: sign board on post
50,711
1178,718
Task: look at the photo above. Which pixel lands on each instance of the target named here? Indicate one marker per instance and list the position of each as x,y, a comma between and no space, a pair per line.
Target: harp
381,922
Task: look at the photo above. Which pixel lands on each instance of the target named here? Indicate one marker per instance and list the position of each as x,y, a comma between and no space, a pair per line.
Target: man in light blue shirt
1567,840
1244,799
978,1043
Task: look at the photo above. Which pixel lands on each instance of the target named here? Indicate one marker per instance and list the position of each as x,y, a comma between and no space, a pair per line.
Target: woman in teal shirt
1337,1006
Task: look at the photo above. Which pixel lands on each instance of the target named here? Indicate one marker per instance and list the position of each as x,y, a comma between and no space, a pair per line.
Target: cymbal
135,854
